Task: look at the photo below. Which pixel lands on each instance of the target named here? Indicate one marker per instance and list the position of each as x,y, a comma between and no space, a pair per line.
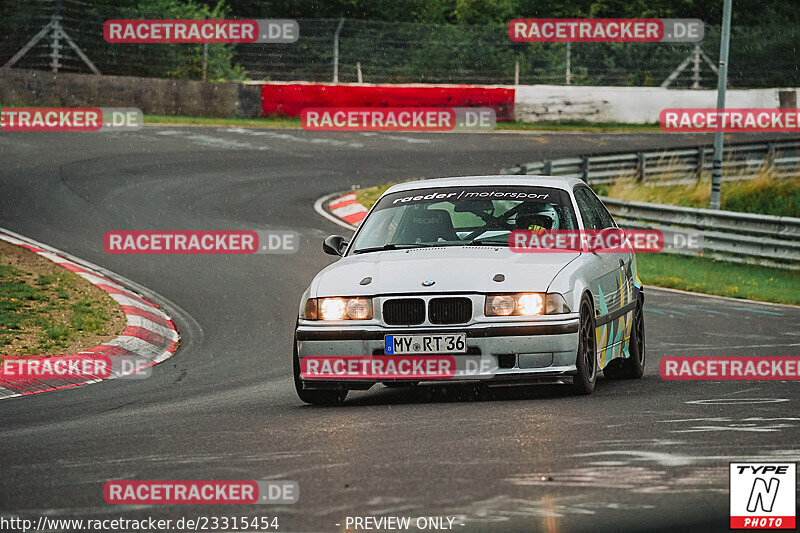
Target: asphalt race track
642,455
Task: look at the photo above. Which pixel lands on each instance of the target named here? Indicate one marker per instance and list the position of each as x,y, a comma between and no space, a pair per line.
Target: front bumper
538,350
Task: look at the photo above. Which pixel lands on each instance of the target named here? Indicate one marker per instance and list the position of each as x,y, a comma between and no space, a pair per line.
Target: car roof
557,182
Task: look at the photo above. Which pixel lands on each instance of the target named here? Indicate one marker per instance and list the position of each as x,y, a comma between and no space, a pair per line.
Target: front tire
314,397
586,361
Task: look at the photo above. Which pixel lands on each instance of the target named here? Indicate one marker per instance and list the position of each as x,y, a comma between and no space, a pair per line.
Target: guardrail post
336,51
769,157
547,167
585,169
701,162
523,168
641,170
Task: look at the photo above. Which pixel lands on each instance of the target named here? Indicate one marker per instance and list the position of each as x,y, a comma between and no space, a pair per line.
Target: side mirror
334,245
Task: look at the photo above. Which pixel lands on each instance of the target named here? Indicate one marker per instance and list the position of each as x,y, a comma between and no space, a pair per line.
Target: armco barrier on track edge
149,333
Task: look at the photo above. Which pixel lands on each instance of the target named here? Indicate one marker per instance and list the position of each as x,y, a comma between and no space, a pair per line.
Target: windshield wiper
486,242
385,247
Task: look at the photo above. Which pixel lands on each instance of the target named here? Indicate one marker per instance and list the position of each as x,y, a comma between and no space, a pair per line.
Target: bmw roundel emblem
428,283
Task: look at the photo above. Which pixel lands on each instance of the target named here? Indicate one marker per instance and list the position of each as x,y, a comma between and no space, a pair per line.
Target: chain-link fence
392,52
82,23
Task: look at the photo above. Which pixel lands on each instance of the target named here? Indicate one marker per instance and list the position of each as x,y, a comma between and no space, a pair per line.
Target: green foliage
40,312
58,332
8,271
89,318
46,279
765,194
184,61
745,12
451,41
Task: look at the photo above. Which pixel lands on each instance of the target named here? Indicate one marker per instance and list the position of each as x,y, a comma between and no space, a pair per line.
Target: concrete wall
527,103
151,95
630,104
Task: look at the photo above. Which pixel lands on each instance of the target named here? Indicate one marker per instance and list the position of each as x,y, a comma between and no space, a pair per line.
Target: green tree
183,61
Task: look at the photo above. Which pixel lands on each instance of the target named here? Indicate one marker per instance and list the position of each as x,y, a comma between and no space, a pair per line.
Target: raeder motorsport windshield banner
456,194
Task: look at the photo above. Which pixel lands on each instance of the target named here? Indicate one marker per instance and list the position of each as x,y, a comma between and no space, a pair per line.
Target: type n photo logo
763,495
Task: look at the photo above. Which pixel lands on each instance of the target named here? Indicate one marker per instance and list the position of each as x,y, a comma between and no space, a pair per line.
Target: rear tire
586,360
631,367
314,397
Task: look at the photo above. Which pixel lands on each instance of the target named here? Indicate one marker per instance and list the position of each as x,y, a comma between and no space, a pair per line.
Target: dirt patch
47,310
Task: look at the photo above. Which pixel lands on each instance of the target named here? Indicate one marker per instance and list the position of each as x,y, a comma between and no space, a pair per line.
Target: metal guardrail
739,237
741,161
707,219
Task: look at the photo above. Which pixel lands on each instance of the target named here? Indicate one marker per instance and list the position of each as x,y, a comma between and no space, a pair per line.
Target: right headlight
525,304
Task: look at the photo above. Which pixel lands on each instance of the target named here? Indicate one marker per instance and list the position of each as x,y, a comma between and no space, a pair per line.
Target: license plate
423,344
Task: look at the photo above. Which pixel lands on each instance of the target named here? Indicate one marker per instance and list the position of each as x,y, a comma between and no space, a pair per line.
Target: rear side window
594,213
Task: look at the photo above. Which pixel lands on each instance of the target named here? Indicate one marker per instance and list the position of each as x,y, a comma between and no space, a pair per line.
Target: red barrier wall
289,99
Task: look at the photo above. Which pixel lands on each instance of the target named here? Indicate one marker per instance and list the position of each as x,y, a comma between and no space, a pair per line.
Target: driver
538,222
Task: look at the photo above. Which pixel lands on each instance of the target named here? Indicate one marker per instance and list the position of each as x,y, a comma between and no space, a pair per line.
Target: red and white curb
149,333
347,208
344,210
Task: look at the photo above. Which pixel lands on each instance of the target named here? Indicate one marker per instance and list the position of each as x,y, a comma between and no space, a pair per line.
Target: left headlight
338,309
525,304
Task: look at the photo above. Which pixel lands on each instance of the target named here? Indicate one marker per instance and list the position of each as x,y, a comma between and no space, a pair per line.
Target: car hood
451,269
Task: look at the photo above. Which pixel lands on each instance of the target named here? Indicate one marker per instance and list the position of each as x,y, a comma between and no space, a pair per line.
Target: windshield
459,216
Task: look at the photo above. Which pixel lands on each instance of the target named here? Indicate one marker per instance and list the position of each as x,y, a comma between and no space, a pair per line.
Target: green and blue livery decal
613,338
637,283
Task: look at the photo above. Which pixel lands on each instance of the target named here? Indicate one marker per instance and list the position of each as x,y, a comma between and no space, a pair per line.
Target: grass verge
579,125
700,274
294,123
268,122
765,194
46,310
695,274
